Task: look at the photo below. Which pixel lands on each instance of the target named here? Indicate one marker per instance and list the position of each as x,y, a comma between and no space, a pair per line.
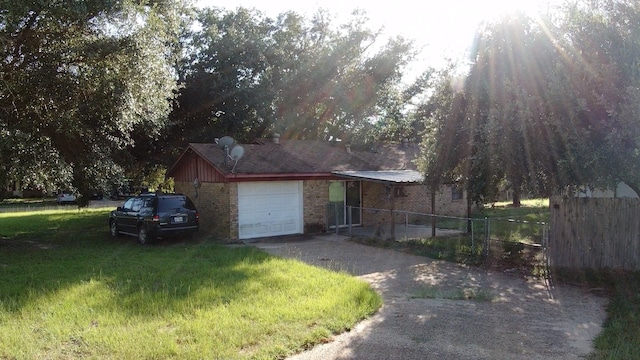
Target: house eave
388,177
281,177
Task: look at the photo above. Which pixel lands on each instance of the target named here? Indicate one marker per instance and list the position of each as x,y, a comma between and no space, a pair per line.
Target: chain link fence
506,243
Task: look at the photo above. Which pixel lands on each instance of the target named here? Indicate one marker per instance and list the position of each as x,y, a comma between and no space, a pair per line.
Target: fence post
336,212
406,226
545,244
472,236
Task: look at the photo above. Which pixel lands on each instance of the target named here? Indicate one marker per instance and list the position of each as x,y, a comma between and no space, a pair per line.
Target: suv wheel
113,229
143,235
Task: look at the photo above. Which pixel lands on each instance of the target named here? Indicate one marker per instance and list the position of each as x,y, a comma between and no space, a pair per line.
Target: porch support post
393,203
349,218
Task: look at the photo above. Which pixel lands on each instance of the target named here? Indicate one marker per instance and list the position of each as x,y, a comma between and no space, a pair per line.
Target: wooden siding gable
191,165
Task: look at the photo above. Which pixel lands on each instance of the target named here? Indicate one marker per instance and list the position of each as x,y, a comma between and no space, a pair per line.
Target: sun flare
440,29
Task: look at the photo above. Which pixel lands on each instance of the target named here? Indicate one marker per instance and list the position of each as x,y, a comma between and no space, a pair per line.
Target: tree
507,88
546,104
602,53
479,132
224,80
78,80
249,75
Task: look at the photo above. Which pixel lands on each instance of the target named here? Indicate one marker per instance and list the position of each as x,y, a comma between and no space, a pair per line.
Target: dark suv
148,216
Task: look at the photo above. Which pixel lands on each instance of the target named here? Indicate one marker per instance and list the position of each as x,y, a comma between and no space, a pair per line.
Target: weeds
455,248
473,294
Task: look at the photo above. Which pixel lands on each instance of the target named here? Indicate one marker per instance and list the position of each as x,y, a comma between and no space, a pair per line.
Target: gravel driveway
424,315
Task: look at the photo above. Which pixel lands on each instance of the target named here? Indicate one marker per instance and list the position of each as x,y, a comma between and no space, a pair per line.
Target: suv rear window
174,203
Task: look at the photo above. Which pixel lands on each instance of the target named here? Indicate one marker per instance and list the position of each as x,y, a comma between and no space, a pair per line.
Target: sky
441,29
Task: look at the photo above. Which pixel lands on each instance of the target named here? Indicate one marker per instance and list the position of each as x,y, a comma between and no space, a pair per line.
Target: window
148,203
341,195
456,193
128,204
399,191
137,204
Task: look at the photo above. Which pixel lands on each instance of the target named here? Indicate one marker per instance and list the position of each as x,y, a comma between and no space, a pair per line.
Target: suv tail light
197,217
156,218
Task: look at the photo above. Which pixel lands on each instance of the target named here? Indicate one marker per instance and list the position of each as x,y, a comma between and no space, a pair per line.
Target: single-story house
278,187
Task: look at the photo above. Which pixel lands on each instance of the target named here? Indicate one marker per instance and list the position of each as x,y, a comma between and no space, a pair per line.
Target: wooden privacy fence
595,233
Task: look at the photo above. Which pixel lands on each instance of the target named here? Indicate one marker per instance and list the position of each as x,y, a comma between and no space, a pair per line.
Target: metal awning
399,177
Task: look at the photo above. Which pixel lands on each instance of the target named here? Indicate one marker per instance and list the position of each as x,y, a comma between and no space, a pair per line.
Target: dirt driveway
424,315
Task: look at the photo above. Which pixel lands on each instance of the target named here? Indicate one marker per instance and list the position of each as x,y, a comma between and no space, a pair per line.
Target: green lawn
530,210
510,224
68,290
33,202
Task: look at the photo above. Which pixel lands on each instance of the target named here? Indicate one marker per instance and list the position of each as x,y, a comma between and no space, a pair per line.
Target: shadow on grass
60,252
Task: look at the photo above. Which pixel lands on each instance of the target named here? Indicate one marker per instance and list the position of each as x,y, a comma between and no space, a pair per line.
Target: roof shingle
310,156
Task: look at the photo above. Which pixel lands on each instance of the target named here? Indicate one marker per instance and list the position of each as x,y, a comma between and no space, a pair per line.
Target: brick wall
413,198
232,225
217,204
213,206
315,198
446,206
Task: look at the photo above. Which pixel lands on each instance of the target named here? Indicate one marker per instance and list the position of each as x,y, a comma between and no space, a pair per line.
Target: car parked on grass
148,216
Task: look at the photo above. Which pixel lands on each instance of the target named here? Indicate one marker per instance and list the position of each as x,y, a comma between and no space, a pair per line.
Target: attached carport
394,182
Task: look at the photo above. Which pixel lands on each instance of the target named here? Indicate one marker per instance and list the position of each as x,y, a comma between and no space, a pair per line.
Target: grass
23,202
522,224
69,290
620,337
530,209
455,248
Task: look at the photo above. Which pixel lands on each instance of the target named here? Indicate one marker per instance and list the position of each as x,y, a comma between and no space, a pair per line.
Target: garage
269,208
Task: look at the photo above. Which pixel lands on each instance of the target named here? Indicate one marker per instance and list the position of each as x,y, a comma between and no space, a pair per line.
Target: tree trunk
516,197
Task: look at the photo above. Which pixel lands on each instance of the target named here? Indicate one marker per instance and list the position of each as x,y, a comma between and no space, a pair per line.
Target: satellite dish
237,152
225,141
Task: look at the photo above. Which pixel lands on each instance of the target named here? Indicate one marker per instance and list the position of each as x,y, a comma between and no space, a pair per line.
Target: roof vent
276,138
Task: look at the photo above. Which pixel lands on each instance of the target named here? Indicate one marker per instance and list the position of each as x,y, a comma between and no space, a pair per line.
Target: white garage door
269,208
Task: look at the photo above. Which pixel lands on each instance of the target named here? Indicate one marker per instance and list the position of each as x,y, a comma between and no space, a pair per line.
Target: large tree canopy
248,75
546,103
78,80
89,89
602,50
